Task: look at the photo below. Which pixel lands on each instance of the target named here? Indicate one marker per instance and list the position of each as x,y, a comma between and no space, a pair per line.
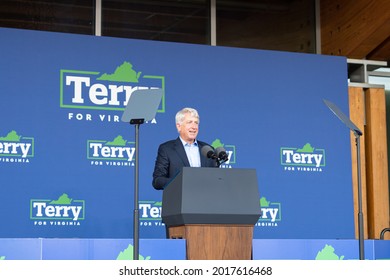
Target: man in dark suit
185,150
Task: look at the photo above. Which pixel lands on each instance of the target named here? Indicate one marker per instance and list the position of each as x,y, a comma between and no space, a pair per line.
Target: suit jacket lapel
181,152
203,160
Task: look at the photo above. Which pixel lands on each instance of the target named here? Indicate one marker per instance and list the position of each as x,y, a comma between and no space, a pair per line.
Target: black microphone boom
208,152
221,154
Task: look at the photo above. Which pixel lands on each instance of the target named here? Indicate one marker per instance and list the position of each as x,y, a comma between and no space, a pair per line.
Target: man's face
188,129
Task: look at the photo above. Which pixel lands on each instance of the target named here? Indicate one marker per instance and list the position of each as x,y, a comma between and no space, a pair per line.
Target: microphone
221,154
208,152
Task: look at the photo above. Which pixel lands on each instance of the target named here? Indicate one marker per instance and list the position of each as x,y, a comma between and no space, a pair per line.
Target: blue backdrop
67,161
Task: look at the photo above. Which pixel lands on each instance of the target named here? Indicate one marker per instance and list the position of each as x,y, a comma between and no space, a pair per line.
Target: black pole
137,123
136,210
360,214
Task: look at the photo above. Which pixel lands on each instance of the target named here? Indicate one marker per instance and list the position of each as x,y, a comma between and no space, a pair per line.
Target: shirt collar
186,144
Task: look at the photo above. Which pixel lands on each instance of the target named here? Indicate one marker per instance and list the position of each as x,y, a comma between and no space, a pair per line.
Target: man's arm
161,169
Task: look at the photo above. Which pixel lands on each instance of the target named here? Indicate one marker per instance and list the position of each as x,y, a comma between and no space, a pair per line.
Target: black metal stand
142,106
382,236
137,123
357,132
360,213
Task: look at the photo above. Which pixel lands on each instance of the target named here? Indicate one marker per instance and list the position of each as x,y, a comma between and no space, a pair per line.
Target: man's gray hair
181,114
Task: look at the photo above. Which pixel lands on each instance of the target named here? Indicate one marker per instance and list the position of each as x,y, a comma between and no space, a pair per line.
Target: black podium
214,209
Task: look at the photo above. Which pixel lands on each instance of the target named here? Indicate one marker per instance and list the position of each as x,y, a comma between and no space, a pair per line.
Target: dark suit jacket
171,158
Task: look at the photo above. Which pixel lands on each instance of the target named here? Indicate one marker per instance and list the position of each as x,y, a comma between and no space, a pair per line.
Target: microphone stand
220,161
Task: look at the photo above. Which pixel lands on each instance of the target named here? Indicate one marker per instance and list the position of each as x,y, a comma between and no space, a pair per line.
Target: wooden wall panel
368,112
377,162
357,116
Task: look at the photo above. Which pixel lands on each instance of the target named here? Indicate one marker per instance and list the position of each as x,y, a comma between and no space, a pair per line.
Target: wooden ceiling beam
358,29
382,52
